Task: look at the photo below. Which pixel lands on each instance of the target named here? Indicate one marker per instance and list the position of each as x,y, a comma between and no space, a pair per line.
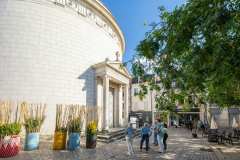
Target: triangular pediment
120,67
116,65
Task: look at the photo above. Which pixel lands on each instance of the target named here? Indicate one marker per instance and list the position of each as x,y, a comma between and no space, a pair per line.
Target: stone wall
46,54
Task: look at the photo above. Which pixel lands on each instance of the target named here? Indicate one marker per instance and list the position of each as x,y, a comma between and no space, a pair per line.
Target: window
135,91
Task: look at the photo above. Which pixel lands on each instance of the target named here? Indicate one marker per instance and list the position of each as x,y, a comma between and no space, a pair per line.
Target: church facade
64,52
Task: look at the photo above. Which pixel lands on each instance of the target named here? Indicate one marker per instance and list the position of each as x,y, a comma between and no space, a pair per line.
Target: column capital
106,76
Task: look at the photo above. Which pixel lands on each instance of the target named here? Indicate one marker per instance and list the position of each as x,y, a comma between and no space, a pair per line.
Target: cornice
99,6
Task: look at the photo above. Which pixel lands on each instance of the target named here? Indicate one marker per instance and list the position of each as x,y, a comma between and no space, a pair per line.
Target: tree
195,52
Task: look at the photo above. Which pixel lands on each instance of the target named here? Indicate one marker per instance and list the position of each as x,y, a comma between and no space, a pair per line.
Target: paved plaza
181,147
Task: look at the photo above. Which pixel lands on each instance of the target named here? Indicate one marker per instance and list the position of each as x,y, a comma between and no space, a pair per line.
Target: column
99,103
120,106
106,101
116,109
126,103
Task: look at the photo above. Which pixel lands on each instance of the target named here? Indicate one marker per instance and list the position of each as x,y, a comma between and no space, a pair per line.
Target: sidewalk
227,151
181,146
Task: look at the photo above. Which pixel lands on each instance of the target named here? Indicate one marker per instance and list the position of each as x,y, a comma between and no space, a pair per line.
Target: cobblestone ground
180,147
228,152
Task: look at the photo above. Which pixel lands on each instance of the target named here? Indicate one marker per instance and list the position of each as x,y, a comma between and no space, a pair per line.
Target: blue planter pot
31,141
74,141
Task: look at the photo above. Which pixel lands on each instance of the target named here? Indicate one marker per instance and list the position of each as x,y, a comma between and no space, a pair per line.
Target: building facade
142,109
63,52
146,104
147,107
218,117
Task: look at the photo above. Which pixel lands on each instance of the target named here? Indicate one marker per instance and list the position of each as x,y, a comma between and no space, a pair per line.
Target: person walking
165,136
160,136
199,126
145,134
129,138
155,133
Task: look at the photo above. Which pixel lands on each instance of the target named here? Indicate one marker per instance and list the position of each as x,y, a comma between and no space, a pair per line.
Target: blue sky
131,15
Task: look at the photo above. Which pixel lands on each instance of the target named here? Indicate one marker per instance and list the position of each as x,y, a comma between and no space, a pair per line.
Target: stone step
111,134
114,136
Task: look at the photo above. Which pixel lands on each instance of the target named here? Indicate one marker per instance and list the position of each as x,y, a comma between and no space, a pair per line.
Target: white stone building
63,52
148,103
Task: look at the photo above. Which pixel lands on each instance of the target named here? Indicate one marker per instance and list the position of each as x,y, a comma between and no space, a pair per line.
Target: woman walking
155,133
129,139
160,136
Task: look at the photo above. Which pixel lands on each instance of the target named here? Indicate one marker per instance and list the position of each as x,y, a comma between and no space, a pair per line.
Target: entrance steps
114,134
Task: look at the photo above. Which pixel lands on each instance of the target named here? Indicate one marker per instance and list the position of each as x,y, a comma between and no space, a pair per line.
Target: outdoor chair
236,133
212,135
221,136
228,138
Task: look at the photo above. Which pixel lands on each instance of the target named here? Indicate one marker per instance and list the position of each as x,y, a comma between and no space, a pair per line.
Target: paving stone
181,146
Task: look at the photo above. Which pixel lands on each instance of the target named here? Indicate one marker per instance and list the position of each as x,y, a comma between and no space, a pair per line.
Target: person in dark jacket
165,136
145,134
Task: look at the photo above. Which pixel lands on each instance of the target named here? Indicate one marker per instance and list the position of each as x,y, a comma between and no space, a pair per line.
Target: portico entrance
112,94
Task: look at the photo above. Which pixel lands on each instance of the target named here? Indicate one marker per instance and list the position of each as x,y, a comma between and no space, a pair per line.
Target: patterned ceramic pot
31,141
74,141
59,142
91,141
9,146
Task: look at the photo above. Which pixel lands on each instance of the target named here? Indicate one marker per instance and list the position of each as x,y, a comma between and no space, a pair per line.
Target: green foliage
9,129
164,117
75,125
92,128
33,125
195,52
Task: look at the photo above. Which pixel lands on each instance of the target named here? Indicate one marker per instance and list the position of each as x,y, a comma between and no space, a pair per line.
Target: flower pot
74,141
59,142
31,141
9,146
91,141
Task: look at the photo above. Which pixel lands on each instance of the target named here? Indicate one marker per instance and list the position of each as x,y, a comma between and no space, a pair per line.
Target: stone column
106,101
126,103
120,105
99,103
116,109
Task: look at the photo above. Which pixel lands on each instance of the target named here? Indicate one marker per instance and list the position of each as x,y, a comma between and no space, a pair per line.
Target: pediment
115,65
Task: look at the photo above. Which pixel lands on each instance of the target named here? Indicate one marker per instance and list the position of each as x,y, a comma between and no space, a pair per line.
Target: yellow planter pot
59,142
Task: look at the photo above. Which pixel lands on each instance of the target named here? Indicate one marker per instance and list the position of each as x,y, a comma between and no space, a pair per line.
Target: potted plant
91,139
10,128
74,127
60,135
34,116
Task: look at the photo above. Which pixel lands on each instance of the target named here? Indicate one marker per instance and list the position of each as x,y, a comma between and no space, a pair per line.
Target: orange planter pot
59,142
9,146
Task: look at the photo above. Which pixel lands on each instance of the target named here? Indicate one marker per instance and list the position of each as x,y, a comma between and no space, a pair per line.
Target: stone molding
82,7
